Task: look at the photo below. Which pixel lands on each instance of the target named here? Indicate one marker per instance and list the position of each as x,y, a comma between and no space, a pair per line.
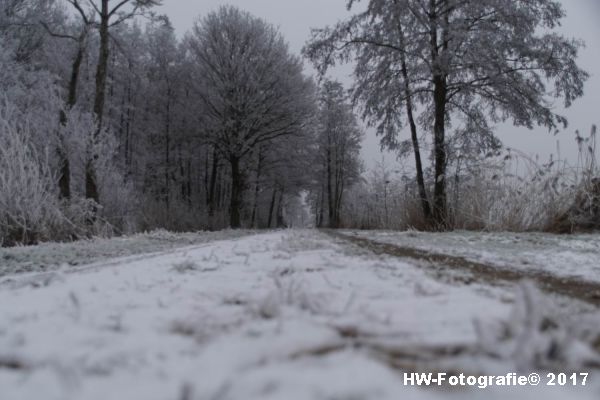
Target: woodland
111,124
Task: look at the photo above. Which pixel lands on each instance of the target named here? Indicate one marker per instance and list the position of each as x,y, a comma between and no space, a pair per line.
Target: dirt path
447,266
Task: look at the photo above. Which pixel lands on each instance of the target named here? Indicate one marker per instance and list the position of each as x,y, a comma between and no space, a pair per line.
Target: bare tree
338,153
80,39
107,14
252,89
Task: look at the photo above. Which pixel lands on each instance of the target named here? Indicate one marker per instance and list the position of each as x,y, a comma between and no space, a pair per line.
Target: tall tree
79,38
477,61
162,49
338,149
109,13
252,89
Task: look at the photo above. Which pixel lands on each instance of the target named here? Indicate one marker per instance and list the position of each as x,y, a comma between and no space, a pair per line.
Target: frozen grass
519,193
536,337
53,256
507,191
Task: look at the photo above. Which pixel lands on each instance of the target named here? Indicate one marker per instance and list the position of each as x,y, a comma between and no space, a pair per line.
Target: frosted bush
28,201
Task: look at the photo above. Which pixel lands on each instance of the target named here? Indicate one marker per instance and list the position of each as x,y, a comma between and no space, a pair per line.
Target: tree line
110,123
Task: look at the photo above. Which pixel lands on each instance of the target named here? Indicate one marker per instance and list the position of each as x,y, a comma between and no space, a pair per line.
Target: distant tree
478,62
286,167
252,89
338,151
162,72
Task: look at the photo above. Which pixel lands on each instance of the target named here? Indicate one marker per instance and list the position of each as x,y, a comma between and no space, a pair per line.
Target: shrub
28,200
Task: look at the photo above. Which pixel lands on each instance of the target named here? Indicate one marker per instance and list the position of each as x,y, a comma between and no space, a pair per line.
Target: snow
575,256
53,256
280,315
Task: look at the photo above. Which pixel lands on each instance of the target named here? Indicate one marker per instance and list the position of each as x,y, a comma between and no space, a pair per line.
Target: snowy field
285,315
576,256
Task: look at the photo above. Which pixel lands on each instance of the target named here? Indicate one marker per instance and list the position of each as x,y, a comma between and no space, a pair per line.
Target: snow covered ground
53,256
282,315
575,256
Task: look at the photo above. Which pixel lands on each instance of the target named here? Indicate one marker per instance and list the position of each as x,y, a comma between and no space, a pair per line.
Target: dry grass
506,192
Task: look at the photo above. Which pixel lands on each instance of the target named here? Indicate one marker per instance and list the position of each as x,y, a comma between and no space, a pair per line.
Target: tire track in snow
447,265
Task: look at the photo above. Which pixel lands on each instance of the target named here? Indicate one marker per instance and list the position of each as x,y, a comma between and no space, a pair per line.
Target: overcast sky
295,18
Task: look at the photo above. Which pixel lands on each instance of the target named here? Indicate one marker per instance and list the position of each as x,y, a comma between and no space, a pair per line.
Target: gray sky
295,18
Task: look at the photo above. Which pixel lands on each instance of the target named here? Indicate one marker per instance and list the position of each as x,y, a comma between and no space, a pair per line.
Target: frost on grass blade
537,337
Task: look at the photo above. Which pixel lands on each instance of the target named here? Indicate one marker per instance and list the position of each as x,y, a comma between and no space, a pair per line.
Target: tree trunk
339,185
168,152
205,181
213,185
91,186
440,93
440,212
128,123
321,209
182,177
425,206
188,181
330,197
102,67
91,189
64,182
280,219
237,185
256,190
272,208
